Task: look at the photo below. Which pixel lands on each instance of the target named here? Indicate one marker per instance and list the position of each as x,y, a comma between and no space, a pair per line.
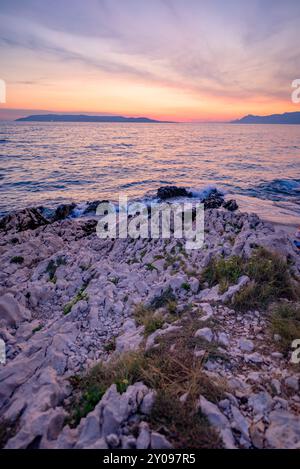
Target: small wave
205,191
275,190
142,183
3,140
122,145
289,187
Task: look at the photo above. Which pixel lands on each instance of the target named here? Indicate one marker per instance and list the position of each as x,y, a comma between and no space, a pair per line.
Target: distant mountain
85,118
286,118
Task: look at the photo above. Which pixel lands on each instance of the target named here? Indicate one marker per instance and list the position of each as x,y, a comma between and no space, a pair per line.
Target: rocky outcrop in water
170,192
22,220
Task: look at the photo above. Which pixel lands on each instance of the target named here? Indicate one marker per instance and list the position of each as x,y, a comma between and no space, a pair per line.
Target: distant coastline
286,118
87,118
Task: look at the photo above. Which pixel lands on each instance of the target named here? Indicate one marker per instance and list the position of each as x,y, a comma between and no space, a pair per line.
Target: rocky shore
141,344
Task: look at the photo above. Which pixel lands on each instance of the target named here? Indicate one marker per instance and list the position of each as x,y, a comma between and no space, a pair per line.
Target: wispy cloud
231,49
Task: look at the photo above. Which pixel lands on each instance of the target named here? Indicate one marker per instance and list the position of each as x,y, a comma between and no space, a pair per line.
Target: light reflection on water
48,163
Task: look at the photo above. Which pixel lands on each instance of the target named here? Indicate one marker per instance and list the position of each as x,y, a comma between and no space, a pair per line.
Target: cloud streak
216,49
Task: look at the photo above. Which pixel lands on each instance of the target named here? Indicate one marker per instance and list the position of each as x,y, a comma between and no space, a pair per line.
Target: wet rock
63,211
169,192
91,207
22,220
89,227
231,205
215,199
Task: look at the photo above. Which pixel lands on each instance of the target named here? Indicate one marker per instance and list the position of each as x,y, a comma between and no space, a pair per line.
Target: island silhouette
86,118
286,118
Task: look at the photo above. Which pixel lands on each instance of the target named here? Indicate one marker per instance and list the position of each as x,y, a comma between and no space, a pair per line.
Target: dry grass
148,318
172,370
270,277
285,321
184,428
225,272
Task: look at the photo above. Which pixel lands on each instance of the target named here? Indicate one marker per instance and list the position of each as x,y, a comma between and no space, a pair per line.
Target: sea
46,164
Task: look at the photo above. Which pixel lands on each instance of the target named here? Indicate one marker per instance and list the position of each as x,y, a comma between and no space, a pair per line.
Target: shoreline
110,311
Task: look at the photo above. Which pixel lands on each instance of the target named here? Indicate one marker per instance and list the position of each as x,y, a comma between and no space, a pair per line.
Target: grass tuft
285,321
226,272
147,317
184,427
269,274
81,295
163,299
270,281
171,374
53,266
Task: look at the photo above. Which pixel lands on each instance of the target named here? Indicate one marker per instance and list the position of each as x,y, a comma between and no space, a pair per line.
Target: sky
184,60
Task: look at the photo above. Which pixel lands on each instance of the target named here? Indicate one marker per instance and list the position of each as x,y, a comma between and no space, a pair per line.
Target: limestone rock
284,431
205,333
12,312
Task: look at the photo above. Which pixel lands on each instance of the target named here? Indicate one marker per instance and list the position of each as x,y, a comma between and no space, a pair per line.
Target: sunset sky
188,60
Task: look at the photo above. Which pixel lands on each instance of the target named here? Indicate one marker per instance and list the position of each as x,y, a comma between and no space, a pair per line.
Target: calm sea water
50,163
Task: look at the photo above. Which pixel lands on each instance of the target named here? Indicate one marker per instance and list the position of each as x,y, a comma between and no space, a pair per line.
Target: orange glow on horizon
137,100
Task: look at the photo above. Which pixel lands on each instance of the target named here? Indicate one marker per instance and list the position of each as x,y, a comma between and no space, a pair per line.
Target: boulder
22,220
169,192
205,334
63,211
231,205
214,199
91,207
